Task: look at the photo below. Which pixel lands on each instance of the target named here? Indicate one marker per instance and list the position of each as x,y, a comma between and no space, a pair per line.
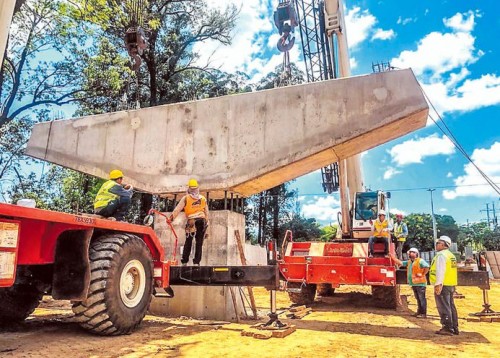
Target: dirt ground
342,326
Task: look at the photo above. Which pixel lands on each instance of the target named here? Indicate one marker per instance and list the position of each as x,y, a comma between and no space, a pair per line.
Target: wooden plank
260,332
243,259
233,297
297,308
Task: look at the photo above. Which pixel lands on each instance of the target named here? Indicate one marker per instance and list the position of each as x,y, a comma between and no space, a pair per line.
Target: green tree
274,79
174,28
303,229
479,236
267,213
329,232
27,82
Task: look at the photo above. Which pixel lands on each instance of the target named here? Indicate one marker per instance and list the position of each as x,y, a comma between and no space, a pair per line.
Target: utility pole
495,219
492,221
434,226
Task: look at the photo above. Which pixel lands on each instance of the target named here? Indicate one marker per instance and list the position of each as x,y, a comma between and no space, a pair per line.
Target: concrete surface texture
6,11
219,249
242,143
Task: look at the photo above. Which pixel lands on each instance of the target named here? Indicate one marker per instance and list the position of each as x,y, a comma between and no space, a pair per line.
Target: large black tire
325,289
387,296
121,283
306,295
17,303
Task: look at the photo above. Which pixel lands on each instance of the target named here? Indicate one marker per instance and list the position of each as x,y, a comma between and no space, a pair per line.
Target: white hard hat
415,250
445,239
381,212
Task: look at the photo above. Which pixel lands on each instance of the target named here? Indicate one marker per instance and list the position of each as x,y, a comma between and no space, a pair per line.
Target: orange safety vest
417,273
194,206
379,226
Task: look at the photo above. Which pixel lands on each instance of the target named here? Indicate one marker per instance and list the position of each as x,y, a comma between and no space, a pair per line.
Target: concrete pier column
219,249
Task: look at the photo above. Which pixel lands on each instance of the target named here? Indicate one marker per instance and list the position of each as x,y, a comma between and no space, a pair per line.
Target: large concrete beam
6,11
242,143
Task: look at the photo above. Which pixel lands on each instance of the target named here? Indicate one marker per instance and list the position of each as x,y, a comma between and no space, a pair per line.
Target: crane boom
326,54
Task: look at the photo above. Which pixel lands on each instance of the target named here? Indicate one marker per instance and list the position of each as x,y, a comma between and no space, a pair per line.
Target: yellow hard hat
115,174
192,183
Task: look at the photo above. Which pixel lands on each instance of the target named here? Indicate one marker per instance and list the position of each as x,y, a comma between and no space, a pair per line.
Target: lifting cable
448,133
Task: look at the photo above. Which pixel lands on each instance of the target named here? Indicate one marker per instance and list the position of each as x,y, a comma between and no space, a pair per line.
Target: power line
411,189
448,133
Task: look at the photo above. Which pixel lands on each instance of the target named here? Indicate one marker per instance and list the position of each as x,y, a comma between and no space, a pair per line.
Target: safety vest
450,274
104,196
417,273
194,206
398,231
379,226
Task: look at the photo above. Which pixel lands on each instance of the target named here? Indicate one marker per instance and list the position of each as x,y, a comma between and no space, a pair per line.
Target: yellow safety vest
450,274
379,226
194,206
104,196
398,230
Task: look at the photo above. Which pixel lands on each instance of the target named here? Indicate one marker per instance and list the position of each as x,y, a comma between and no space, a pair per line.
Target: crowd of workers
114,198
442,271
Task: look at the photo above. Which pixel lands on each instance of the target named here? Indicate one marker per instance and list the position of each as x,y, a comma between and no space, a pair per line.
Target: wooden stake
244,263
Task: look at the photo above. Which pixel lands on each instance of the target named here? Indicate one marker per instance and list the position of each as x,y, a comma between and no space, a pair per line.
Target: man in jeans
444,276
195,207
417,269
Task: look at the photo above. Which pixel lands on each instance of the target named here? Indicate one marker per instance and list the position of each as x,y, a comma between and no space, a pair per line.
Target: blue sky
453,49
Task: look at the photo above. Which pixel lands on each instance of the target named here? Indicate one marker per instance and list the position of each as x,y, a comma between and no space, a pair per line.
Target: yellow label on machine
221,269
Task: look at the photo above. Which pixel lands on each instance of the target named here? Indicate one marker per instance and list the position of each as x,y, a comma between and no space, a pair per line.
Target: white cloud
360,25
322,208
449,175
444,75
471,95
396,211
353,62
459,22
414,150
429,55
383,34
405,21
442,210
390,172
255,16
488,160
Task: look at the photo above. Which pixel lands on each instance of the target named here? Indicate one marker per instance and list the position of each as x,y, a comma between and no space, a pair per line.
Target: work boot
197,265
184,264
444,332
456,332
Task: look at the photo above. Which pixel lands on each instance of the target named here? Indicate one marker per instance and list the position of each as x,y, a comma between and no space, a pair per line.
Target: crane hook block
285,43
135,42
285,12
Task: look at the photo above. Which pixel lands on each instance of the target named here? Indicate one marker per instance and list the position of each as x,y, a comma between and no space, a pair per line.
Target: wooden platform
260,331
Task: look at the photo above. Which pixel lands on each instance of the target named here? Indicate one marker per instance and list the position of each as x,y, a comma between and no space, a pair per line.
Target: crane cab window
366,206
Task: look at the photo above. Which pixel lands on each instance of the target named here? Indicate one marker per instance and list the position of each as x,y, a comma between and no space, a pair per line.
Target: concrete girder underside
243,143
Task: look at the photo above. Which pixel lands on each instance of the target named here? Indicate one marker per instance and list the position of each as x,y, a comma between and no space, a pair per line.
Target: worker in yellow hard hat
113,199
196,210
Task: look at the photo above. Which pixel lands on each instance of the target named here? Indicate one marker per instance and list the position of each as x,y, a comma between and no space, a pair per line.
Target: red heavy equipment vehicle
108,269
310,267
313,266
